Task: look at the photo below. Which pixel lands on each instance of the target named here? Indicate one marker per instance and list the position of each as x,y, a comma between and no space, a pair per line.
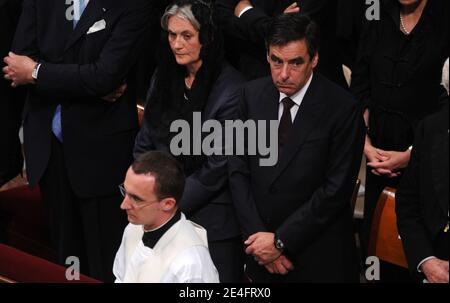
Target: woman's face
184,41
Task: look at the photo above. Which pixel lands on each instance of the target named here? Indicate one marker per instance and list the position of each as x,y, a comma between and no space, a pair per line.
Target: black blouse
398,76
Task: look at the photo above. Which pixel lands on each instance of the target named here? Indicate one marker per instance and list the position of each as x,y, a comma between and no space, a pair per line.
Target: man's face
291,66
140,201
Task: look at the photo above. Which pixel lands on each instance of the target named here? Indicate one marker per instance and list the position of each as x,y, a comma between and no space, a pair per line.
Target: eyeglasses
135,200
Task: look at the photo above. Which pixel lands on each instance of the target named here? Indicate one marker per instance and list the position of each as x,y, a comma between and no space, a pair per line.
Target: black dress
398,78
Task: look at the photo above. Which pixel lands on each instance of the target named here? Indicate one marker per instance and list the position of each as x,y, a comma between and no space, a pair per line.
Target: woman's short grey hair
445,75
184,12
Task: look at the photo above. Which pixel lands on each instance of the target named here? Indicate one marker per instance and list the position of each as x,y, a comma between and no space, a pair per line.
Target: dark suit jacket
77,70
422,201
11,101
247,34
206,198
305,198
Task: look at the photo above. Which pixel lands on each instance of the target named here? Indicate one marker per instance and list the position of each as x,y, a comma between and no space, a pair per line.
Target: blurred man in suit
80,118
11,102
297,214
422,198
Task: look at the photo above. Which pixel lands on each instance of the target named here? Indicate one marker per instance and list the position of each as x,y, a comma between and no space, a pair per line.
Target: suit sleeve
251,26
410,224
241,188
101,77
25,38
313,7
254,24
212,177
332,199
143,142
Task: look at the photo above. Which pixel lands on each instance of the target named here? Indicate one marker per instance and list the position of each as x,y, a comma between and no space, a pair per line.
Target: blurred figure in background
397,77
422,201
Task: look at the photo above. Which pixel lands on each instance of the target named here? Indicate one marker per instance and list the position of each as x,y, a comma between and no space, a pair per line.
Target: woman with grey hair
422,198
193,77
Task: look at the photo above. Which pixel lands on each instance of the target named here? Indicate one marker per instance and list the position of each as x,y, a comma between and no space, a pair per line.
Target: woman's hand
391,162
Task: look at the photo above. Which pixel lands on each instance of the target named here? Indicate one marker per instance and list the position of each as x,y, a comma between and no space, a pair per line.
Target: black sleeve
25,38
143,142
212,177
250,27
416,243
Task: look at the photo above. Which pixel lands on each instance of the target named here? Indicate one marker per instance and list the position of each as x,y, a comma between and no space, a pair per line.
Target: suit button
273,190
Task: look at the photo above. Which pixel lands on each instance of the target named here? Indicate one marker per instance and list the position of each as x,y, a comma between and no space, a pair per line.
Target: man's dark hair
286,28
168,173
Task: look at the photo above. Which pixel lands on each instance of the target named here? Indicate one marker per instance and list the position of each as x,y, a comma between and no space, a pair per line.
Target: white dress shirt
297,98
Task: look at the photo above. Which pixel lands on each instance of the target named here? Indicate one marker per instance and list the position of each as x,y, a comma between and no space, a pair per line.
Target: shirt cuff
245,10
423,261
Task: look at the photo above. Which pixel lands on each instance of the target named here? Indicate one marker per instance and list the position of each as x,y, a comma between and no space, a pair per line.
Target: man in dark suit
297,213
245,24
422,201
79,145
11,102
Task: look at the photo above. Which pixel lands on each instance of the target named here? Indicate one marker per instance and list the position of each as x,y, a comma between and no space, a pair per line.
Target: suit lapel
267,110
439,168
93,12
307,118
270,103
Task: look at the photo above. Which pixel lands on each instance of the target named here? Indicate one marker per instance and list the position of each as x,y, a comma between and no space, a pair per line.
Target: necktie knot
287,103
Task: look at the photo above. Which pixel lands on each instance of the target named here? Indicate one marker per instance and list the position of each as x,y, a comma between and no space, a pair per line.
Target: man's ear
268,54
315,60
168,204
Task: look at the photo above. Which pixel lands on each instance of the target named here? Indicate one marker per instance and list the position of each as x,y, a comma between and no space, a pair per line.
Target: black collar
150,238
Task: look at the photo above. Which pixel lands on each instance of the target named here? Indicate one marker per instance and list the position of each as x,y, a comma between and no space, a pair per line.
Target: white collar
298,96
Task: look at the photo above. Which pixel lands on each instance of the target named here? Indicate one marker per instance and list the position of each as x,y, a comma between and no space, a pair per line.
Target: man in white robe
160,245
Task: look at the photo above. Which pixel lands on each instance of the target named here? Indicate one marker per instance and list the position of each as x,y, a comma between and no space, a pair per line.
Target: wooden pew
385,242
